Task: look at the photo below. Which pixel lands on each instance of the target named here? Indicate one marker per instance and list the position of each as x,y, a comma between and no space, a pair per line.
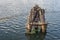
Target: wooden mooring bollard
36,20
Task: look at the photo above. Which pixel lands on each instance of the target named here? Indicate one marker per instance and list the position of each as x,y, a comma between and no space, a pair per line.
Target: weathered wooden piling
36,19
42,20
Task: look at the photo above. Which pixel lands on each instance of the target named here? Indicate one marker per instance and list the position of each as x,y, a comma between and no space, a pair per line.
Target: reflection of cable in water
8,17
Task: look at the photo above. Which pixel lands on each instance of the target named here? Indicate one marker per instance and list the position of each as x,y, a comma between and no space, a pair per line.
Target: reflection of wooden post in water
39,36
36,18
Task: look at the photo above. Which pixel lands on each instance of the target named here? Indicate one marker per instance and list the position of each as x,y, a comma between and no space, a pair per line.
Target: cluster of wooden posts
36,19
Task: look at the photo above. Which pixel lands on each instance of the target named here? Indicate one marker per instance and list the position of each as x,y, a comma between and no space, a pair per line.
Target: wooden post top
36,14
37,8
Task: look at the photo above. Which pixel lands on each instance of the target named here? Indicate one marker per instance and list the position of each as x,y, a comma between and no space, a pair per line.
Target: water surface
13,18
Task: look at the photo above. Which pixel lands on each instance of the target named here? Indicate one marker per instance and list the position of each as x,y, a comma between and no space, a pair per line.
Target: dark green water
14,27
